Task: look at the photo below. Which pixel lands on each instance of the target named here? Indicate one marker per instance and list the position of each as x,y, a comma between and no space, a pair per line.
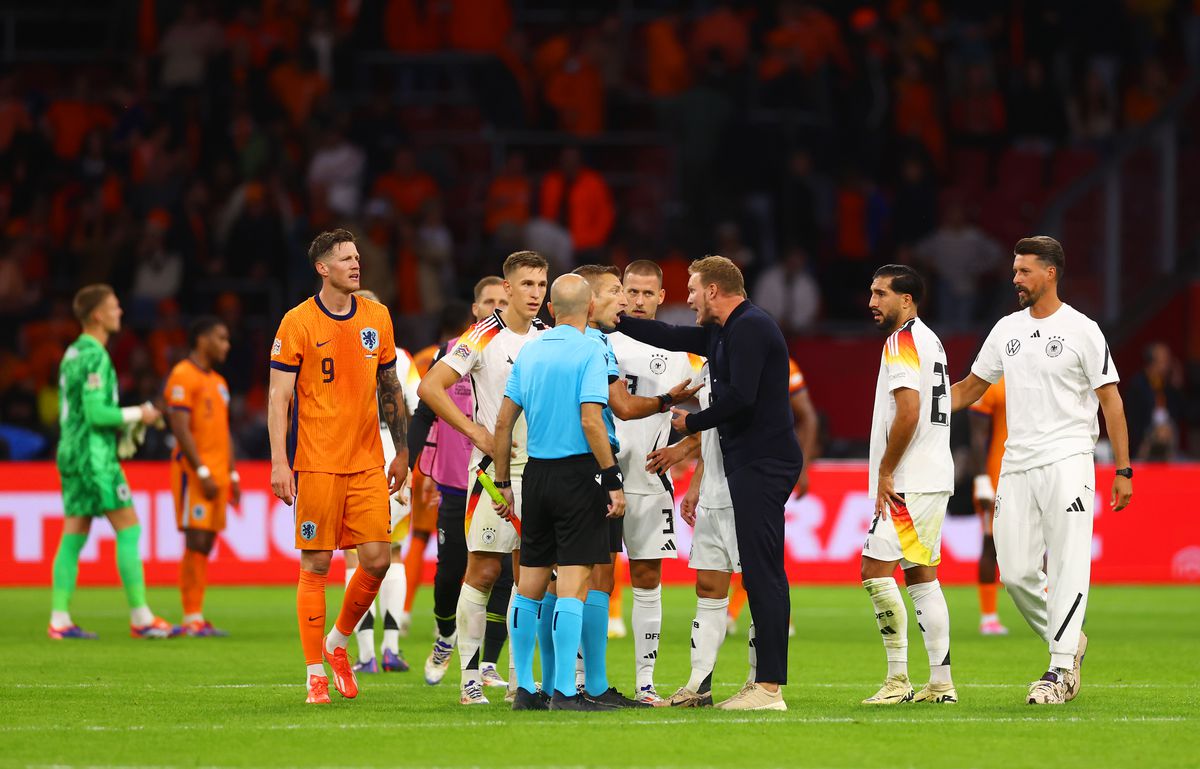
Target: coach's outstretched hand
616,503
283,482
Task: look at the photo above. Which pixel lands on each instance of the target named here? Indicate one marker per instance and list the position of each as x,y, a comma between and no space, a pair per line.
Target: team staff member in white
911,478
1056,368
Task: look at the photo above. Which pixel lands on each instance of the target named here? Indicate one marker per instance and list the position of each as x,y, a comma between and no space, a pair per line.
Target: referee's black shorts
563,513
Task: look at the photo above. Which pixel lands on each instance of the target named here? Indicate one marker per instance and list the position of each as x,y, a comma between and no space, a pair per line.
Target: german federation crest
370,339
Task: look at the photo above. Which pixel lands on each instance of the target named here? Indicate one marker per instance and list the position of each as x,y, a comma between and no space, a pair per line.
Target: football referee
571,484
751,411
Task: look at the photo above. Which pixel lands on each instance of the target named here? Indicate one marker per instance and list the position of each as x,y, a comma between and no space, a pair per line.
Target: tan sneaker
754,697
895,690
943,694
1070,679
686,698
1046,692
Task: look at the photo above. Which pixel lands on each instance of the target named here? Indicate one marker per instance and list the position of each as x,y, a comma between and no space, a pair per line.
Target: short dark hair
903,280
88,298
1048,251
490,280
201,326
519,259
592,272
323,244
645,267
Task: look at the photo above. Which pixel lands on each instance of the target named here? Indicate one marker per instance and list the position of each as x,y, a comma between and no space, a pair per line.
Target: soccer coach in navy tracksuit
748,361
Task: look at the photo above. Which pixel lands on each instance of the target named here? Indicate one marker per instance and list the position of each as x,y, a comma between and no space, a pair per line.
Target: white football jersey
913,357
647,371
1051,368
714,488
486,353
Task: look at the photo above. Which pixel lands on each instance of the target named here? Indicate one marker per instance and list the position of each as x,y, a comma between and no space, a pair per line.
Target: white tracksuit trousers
1046,512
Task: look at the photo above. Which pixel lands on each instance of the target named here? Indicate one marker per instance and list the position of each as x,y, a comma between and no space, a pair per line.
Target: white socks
141,616
708,633
892,617
60,620
934,621
647,626
188,618
392,593
364,631
314,670
472,622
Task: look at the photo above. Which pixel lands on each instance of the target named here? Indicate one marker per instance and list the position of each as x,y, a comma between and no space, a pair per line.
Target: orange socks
620,580
360,594
987,598
738,599
414,561
193,578
310,611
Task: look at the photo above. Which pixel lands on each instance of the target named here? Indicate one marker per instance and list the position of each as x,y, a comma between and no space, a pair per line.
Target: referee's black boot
530,700
577,703
614,699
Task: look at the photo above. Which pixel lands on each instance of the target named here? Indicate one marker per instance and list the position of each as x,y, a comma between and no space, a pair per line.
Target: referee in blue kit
751,411
571,485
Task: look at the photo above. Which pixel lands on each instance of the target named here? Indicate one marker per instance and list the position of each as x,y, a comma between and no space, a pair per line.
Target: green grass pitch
238,701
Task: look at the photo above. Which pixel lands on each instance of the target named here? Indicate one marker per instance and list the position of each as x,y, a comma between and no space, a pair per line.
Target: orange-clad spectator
478,25
550,56
806,39
413,26
508,196
1148,96
667,71
69,120
14,115
406,186
723,31
297,86
579,199
917,111
576,93
979,111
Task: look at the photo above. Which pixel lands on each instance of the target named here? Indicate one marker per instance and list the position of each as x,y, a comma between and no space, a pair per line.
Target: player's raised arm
279,397
628,406
965,392
1118,435
693,339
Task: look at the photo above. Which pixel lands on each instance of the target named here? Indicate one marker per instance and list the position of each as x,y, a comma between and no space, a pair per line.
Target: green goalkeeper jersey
89,418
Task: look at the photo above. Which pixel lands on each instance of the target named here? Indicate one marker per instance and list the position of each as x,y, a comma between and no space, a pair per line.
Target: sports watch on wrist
1126,472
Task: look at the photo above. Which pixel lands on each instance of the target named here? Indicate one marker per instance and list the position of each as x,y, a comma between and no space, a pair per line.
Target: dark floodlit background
186,152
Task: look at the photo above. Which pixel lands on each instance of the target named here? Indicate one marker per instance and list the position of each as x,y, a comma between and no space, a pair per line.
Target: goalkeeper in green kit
93,483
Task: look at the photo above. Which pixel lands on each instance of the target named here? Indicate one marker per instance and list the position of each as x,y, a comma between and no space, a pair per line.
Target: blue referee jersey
553,375
614,373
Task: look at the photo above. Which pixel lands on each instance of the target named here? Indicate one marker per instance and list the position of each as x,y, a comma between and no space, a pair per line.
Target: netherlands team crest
370,339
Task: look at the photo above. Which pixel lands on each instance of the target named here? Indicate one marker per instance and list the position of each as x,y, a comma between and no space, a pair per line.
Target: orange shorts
335,511
424,517
192,509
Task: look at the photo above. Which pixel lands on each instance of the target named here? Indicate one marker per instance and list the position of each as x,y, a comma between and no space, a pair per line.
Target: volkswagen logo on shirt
1013,346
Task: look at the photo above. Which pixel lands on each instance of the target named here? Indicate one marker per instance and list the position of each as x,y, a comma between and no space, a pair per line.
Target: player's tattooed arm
392,407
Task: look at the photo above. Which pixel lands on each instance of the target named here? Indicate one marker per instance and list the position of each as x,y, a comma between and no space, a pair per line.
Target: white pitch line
767,719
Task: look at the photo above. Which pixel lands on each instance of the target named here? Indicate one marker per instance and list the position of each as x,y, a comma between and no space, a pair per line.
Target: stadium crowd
809,142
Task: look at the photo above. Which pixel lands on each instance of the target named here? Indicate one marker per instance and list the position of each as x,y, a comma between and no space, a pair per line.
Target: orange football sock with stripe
193,579
616,606
738,599
360,595
414,561
310,611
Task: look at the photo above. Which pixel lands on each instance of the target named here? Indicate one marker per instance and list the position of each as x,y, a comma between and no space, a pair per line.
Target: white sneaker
616,627
895,690
405,623
472,694
438,661
1046,692
754,697
491,677
943,694
648,695
1070,679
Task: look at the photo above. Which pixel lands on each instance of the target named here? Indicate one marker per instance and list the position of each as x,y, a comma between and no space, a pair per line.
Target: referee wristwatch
1125,472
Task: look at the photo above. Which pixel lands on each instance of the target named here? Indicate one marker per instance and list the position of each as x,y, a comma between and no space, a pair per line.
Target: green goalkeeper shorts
94,494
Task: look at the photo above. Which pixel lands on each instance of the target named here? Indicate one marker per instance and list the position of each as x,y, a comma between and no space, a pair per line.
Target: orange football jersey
335,416
993,404
205,396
